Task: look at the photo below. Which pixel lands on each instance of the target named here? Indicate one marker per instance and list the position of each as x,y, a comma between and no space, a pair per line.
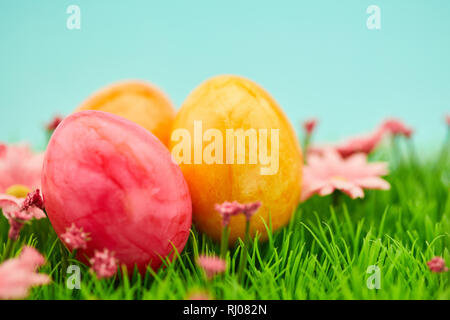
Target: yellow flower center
18,191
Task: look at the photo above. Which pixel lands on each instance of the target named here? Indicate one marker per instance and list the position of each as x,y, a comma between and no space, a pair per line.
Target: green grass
324,252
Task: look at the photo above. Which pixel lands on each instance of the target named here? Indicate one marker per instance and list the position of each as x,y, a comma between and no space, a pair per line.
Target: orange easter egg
136,101
234,143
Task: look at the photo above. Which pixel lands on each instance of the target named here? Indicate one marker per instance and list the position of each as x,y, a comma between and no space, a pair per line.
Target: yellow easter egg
234,143
136,101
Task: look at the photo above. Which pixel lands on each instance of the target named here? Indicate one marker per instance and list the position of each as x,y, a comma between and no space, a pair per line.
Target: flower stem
306,143
244,251
224,242
414,158
444,152
336,199
397,153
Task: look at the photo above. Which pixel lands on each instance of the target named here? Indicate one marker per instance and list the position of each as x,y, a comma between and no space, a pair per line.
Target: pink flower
309,126
75,238
437,264
104,264
15,225
33,199
447,119
365,144
359,144
18,275
19,166
249,209
18,211
397,127
230,209
52,125
227,210
330,171
211,265
317,149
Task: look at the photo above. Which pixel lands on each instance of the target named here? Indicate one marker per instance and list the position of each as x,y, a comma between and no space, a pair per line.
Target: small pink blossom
18,211
19,166
33,199
227,210
15,225
397,127
365,144
75,238
230,209
447,119
318,149
437,264
211,265
309,126
52,125
19,274
330,171
249,209
104,264
359,144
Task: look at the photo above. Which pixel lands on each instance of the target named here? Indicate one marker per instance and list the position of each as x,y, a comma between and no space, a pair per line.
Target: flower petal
373,183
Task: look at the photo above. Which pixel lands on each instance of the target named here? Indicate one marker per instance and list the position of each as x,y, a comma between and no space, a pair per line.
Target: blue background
317,58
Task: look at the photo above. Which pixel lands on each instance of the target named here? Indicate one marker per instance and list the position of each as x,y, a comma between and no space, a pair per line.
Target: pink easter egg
118,182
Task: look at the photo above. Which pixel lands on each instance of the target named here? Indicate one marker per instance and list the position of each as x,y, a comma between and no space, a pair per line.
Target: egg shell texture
232,102
136,101
118,182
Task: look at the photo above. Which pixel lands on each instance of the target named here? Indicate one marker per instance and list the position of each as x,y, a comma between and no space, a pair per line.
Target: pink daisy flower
19,211
330,171
75,238
359,144
437,264
249,209
230,209
19,274
211,265
397,127
309,126
19,166
362,144
227,210
317,149
104,264
33,200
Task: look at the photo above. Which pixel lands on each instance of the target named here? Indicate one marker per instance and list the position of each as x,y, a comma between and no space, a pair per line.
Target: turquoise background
317,58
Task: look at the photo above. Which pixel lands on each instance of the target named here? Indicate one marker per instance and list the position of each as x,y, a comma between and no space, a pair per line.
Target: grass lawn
324,253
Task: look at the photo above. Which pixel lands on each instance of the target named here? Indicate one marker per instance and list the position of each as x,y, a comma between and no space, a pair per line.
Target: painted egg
119,183
137,101
233,142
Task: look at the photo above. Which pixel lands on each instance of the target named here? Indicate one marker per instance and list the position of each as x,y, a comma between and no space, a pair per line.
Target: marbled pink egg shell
118,182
